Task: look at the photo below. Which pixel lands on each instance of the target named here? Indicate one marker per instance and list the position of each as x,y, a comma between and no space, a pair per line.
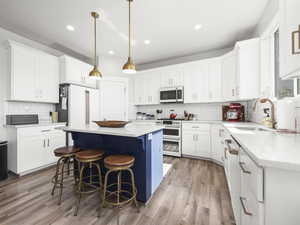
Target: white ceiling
169,24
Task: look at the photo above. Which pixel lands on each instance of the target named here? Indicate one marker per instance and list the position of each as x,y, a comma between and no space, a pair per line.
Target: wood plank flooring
193,193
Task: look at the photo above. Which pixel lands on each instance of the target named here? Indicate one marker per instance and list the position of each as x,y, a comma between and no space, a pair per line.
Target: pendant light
129,66
95,73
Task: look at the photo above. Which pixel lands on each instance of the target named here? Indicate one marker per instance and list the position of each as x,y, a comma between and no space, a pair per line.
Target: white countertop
41,124
130,130
268,148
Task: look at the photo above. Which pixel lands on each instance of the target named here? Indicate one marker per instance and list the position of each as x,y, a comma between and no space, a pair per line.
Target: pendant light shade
95,73
129,66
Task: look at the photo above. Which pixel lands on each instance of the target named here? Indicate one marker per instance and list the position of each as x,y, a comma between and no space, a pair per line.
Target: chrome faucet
264,100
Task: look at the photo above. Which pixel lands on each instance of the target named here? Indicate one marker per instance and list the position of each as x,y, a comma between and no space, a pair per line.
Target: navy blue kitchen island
143,142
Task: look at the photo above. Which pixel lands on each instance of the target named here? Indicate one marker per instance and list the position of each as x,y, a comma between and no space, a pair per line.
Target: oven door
172,147
171,132
168,95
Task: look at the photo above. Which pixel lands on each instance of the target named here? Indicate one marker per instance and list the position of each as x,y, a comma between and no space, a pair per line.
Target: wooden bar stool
65,154
118,196
87,159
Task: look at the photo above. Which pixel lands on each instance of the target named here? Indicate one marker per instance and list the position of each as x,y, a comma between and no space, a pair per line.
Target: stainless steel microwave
171,95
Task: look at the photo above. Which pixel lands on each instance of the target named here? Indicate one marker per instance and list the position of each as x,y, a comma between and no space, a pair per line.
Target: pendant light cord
95,41
129,8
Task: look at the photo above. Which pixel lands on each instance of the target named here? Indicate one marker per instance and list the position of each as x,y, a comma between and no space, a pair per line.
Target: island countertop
130,130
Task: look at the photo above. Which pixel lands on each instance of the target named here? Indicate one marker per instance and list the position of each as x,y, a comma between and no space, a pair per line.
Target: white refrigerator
78,105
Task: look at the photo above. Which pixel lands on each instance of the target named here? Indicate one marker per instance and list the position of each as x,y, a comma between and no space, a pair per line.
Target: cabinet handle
220,132
244,207
46,130
243,168
195,127
225,154
44,143
48,142
232,90
233,151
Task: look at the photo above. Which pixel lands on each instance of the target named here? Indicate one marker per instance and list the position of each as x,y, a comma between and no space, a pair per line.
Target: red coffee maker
234,112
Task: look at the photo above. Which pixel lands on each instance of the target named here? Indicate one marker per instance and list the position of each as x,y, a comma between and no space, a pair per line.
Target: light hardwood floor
193,193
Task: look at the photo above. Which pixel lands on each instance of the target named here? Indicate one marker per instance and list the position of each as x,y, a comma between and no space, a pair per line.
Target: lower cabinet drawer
252,177
196,126
252,211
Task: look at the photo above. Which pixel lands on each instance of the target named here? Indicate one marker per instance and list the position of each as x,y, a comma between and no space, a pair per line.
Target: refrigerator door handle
87,107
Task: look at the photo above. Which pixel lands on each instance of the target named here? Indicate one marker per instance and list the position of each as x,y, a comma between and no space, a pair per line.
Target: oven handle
172,140
171,128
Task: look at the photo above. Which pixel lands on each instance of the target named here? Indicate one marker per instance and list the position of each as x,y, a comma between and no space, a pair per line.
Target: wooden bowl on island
111,123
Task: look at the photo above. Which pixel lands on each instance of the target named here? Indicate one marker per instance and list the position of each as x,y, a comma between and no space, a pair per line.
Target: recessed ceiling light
70,28
147,42
198,26
111,52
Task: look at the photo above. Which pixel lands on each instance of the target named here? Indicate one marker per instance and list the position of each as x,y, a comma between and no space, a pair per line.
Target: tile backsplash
209,111
42,109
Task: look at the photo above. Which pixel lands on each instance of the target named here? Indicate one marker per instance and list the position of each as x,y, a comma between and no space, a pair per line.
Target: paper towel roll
286,114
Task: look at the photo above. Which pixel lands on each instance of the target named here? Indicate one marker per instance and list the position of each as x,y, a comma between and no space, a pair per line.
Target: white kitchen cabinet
48,79
234,178
139,90
196,85
172,76
251,194
196,140
74,71
215,79
152,86
31,148
248,69
33,76
217,143
289,22
229,76
146,88
31,153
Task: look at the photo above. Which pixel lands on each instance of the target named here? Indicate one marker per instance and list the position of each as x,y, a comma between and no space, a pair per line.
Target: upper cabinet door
229,76
48,78
172,76
75,71
152,85
196,82
289,23
139,90
248,69
215,79
23,74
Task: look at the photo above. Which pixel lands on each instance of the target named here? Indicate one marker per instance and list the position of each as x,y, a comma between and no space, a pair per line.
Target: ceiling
169,24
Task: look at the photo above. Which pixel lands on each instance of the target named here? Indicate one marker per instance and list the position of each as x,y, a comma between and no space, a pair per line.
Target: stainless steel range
172,137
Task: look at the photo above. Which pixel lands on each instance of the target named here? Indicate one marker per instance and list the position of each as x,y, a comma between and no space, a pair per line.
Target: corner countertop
130,130
268,148
41,124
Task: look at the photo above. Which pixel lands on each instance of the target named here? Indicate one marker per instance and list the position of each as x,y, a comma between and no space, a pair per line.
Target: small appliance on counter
22,119
234,112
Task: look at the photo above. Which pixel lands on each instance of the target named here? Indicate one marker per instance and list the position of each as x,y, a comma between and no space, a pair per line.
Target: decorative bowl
111,123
